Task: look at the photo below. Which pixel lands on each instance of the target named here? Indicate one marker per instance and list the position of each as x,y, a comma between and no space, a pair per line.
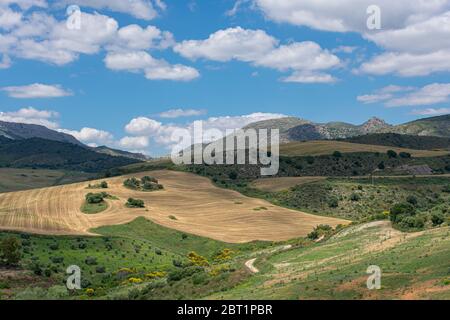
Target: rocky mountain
18,131
296,129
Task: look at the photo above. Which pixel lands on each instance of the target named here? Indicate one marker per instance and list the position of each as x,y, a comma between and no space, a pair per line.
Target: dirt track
199,207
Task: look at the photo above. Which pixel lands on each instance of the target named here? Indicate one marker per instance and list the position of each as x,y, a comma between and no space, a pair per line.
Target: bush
104,185
355,197
233,175
400,210
90,261
446,189
135,203
10,251
333,203
381,165
437,219
405,155
95,198
100,269
412,200
392,154
337,154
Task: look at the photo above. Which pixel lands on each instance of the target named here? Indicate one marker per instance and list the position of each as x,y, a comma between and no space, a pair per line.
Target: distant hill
120,153
296,129
17,131
402,141
49,154
435,126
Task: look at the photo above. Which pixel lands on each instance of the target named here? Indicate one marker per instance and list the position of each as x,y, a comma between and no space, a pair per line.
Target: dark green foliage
437,219
405,155
337,154
94,198
103,185
145,184
90,261
135,203
412,200
10,251
402,141
391,154
355,197
233,175
48,154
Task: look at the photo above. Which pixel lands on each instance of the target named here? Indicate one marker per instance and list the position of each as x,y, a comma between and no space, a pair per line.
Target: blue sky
111,80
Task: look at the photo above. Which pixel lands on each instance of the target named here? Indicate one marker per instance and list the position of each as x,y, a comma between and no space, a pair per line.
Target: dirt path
250,266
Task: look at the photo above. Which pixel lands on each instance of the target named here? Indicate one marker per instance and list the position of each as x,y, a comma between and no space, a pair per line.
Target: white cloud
383,94
348,15
177,113
31,116
428,95
9,18
431,112
398,96
134,143
143,126
225,45
133,37
407,64
310,77
36,90
154,69
261,49
142,9
25,4
299,56
90,136
5,63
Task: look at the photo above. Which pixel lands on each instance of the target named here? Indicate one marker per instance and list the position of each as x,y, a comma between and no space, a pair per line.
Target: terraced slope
188,203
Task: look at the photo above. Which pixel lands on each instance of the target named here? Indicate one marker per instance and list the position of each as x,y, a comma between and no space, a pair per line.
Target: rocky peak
374,124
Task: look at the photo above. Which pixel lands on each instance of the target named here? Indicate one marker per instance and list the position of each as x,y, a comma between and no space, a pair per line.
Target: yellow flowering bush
197,259
90,292
156,274
224,255
135,280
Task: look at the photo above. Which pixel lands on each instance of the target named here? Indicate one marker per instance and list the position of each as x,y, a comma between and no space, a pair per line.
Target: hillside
326,147
18,131
48,154
403,141
435,126
413,266
120,153
295,129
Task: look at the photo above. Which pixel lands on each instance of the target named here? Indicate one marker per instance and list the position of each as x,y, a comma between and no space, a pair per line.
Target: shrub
337,154
333,203
412,200
100,269
355,197
57,259
405,155
381,165
233,175
197,260
10,251
90,261
437,219
391,154
401,210
94,198
135,203
104,185
446,189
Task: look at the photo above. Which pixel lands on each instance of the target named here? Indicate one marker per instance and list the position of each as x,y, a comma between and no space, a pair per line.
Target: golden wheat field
188,203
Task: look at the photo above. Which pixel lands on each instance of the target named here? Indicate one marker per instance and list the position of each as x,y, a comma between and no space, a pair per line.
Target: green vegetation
135,203
134,256
10,254
95,202
144,184
39,153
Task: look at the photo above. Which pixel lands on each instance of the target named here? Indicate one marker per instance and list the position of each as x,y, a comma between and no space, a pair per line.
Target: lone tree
135,203
392,154
10,251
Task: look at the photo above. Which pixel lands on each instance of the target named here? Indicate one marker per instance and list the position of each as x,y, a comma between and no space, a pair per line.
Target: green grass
337,268
140,247
93,208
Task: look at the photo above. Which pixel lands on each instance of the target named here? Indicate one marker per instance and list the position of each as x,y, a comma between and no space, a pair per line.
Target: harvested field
198,207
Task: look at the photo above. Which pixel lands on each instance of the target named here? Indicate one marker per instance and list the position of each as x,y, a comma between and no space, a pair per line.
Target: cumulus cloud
348,15
305,59
397,96
5,63
9,18
177,113
142,9
134,37
225,45
31,115
134,143
36,90
154,69
90,136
